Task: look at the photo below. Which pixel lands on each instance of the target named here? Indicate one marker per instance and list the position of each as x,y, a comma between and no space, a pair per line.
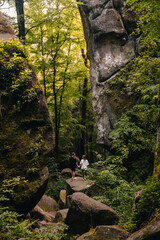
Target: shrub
117,192
11,227
149,204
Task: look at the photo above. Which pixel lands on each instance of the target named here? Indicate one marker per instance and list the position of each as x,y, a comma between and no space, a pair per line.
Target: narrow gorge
48,110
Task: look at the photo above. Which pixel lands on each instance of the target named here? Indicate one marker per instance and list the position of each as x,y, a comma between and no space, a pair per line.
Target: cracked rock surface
107,27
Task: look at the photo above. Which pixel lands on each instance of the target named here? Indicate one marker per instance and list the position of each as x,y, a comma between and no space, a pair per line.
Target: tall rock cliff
26,134
107,27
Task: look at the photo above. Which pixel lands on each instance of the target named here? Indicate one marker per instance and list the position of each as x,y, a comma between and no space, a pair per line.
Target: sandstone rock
26,136
105,233
53,214
107,27
6,29
78,185
85,213
61,215
149,232
27,195
62,199
38,213
67,171
47,204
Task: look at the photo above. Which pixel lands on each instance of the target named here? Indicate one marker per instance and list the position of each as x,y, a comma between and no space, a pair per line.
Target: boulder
67,172
26,133
61,215
78,184
62,199
28,193
47,204
6,29
105,233
86,212
149,232
38,214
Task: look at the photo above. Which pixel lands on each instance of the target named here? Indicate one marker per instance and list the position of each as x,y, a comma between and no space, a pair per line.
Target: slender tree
20,19
57,38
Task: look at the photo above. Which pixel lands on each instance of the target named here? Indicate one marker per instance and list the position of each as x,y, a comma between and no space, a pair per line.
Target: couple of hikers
74,164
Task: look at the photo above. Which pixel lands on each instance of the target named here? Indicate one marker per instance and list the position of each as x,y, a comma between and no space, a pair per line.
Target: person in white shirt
84,164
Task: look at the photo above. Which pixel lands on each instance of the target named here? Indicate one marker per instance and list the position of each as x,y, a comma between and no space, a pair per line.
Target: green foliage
55,40
148,24
134,137
15,71
56,181
148,206
114,190
11,227
50,233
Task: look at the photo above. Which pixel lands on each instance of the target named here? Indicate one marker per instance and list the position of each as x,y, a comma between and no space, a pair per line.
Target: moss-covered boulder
26,134
48,204
114,232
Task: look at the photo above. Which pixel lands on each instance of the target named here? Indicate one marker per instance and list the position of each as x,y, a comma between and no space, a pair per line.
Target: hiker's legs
82,173
73,173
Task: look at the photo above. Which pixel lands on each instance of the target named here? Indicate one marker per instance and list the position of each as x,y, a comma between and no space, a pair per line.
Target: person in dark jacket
73,163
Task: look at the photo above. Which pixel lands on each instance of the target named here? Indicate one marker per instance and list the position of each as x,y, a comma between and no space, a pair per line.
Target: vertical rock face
26,134
107,27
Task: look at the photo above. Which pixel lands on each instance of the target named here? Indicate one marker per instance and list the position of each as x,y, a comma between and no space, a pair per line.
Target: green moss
24,129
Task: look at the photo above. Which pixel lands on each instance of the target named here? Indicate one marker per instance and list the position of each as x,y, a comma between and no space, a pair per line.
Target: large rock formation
107,28
86,212
26,136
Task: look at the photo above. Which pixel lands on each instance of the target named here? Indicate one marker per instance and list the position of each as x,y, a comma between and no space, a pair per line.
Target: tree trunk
20,19
43,63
